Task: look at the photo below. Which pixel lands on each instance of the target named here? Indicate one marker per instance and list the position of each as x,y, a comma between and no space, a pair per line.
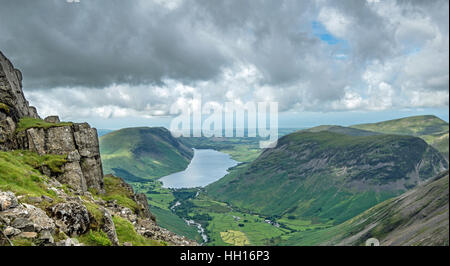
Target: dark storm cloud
384,54
96,43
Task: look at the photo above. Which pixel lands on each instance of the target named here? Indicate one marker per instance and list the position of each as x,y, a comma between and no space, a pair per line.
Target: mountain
102,132
414,126
342,130
428,127
326,176
418,217
52,188
136,154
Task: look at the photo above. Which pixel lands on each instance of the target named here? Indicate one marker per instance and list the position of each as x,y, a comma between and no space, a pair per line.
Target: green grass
167,219
28,122
114,191
383,219
95,238
19,172
22,242
126,233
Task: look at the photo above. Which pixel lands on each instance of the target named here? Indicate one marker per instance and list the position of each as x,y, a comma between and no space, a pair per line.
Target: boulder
52,119
109,228
72,218
27,218
10,231
7,200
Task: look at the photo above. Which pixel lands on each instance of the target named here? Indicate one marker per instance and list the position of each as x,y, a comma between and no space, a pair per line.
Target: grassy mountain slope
342,130
136,154
428,127
326,176
417,217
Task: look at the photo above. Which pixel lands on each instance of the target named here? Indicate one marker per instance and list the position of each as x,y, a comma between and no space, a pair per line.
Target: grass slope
137,154
326,176
417,217
428,127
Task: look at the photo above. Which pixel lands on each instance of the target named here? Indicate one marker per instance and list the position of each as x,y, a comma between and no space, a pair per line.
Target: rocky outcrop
69,213
11,93
79,142
71,217
24,220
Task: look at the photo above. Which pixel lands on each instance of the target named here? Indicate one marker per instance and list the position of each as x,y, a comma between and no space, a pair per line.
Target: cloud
117,59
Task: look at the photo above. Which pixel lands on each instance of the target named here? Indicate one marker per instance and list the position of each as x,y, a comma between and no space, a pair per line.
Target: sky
118,63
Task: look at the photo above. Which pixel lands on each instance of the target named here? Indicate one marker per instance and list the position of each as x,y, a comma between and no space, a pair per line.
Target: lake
206,167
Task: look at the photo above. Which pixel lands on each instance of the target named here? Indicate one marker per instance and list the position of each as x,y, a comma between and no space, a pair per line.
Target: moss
28,122
19,241
60,235
4,108
95,238
126,233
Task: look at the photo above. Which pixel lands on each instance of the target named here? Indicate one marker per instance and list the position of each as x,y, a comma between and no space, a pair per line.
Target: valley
312,183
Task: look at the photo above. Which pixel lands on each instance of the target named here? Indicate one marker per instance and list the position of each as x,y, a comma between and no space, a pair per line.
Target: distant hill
326,176
428,127
417,217
102,132
143,153
414,126
342,130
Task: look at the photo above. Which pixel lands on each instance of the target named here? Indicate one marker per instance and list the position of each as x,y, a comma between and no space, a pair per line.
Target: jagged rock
7,200
34,199
72,218
109,228
10,231
141,199
11,92
46,237
48,199
52,119
28,218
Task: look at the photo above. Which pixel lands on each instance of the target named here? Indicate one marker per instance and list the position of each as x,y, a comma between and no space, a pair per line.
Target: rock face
79,142
11,93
